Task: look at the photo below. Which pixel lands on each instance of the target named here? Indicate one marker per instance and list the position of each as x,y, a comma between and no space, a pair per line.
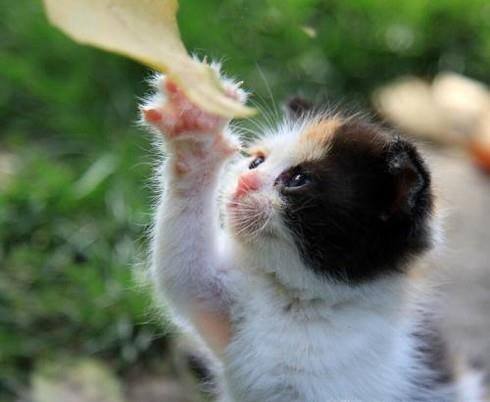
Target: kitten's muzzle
247,182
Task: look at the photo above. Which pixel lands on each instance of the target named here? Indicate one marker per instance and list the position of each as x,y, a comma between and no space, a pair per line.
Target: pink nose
247,182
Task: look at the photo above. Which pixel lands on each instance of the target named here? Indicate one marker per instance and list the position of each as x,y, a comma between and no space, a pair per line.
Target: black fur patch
364,212
297,107
435,355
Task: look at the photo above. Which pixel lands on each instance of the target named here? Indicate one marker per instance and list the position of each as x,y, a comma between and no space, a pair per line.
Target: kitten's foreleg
188,264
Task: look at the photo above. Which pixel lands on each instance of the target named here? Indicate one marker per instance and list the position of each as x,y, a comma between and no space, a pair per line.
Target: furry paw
195,138
173,114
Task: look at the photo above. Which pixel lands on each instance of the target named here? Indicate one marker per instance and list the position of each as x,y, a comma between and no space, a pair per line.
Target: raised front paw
196,139
172,113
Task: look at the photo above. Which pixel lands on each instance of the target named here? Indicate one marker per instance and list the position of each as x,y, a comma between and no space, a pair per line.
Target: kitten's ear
411,178
297,107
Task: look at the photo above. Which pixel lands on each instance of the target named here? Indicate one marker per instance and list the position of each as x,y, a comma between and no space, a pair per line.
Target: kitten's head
354,199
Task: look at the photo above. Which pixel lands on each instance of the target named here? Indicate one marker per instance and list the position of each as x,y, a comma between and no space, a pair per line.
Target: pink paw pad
152,115
178,115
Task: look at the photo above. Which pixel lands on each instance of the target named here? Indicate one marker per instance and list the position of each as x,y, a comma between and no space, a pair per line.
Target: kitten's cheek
247,182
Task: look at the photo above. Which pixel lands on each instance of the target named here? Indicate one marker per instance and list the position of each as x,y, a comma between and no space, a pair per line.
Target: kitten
302,290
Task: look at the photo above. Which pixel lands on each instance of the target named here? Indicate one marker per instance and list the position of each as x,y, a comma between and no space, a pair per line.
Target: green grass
70,237
75,211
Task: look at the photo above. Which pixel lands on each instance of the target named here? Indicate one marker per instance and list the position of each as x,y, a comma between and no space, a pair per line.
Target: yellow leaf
147,31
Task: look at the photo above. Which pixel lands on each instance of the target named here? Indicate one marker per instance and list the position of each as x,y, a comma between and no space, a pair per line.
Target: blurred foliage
74,169
342,49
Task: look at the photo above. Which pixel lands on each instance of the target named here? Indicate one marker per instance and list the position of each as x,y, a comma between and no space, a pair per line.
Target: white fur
294,336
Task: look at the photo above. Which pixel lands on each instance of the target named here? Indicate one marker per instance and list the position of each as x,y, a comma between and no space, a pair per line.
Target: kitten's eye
298,180
256,162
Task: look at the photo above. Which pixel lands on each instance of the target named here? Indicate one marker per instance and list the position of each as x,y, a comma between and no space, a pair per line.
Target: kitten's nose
248,181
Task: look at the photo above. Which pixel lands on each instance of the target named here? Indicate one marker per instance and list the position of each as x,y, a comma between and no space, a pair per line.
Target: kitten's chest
295,352
272,355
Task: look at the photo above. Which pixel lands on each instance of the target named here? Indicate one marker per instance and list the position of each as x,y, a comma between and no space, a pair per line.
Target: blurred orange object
480,144
481,156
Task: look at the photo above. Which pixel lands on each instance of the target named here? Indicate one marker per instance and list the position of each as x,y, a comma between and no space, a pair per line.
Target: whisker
265,121
267,86
306,205
268,117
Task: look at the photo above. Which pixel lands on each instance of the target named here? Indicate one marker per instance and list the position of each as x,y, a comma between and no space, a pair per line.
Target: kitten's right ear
412,190
297,107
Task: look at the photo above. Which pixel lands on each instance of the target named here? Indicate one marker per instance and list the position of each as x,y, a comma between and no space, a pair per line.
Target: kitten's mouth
248,215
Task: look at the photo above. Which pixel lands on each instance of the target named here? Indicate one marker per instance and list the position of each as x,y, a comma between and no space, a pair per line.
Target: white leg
187,263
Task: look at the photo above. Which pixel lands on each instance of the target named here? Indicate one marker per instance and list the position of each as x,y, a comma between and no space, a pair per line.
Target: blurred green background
75,193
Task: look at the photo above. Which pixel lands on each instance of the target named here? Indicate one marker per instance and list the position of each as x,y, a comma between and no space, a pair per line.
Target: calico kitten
302,292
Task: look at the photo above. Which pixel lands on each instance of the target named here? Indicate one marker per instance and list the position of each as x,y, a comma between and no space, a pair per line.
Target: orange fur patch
257,151
314,140
215,328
